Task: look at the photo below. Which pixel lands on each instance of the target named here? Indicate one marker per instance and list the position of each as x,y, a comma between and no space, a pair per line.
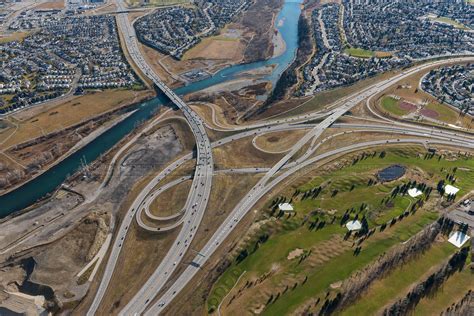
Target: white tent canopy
449,189
353,225
285,207
414,192
458,239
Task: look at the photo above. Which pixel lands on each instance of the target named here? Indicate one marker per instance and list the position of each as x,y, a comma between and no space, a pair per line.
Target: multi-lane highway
193,211
197,198
263,186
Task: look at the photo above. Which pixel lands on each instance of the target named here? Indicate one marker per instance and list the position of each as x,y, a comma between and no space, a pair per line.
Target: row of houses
63,53
407,28
174,30
453,85
399,32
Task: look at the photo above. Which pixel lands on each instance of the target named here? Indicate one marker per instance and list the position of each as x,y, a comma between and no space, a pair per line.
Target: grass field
398,282
171,201
329,258
359,52
364,53
65,114
216,47
452,22
445,114
325,98
279,141
452,291
17,36
390,105
157,3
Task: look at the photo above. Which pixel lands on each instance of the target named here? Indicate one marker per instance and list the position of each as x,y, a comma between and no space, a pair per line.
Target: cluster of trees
244,252
312,193
430,154
403,189
316,224
365,155
440,188
430,285
275,202
273,298
451,176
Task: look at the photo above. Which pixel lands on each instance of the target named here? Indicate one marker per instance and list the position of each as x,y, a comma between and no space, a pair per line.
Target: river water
287,24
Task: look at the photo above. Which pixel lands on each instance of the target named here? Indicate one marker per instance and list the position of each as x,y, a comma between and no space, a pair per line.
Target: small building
458,239
353,225
449,189
414,192
285,207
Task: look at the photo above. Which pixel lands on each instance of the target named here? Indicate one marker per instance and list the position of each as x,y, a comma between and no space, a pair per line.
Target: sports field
440,112
359,52
395,107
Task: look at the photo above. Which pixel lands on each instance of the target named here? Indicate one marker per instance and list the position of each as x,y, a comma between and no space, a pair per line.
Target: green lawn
396,284
353,189
390,105
344,265
359,52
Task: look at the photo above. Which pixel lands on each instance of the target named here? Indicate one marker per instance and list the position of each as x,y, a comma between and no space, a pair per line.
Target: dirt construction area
74,231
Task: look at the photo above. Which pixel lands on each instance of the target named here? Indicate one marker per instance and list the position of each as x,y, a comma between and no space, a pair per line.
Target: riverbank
50,180
79,145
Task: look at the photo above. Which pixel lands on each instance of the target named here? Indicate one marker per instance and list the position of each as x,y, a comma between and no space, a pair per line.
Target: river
286,23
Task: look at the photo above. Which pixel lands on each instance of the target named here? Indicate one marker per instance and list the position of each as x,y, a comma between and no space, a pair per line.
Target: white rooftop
285,207
458,239
353,225
449,189
414,192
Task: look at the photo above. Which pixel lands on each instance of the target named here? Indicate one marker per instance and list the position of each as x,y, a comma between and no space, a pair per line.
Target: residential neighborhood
453,85
63,53
408,29
174,30
360,39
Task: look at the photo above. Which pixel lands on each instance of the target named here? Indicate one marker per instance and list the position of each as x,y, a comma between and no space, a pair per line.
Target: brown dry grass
217,48
183,131
321,100
153,58
141,254
51,5
43,120
227,190
171,201
17,36
355,137
279,142
241,154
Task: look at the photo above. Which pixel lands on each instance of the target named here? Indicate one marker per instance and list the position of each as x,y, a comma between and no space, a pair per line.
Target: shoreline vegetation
290,77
